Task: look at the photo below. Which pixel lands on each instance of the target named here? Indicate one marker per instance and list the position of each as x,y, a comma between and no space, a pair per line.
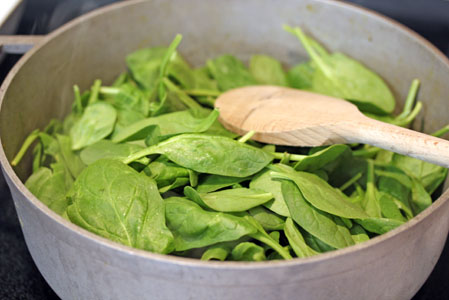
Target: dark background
19,277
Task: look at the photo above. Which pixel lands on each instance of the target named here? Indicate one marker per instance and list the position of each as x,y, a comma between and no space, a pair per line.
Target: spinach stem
320,49
78,104
203,92
94,91
168,55
441,131
286,159
408,119
186,99
410,98
277,247
310,50
247,136
293,157
351,181
26,144
109,90
370,202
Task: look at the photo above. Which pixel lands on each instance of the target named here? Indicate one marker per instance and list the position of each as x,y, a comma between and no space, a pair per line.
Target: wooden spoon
286,116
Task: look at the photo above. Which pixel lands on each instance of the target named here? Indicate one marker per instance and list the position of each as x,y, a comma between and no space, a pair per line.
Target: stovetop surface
19,277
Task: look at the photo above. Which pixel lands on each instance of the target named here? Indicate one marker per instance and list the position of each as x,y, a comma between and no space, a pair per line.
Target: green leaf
316,244
394,182
321,158
211,183
50,186
420,199
301,76
359,234
194,227
72,160
389,208
229,72
107,149
296,240
114,201
248,251
264,182
178,182
217,252
169,124
314,221
379,225
267,70
96,123
127,97
269,220
164,170
349,79
321,195
145,64
340,76
230,200
217,129
210,154
370,202
430,175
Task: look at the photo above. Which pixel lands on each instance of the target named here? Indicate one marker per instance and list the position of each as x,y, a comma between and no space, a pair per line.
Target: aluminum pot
80,265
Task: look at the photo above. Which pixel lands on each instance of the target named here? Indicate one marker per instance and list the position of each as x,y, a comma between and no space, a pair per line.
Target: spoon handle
397,139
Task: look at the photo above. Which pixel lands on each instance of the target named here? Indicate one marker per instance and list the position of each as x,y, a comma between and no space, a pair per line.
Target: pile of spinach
144,162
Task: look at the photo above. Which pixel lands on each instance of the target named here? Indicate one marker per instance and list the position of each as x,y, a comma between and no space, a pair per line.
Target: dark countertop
19,277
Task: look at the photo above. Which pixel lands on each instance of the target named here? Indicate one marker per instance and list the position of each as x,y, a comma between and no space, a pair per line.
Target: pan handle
18,44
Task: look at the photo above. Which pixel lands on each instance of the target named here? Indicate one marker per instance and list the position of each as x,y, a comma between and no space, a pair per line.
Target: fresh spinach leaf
269,221
51,186
359,234
264,182
107,149
229,72
113,200
321,158
230,200
340,76
248,251
212,183
301,76
321,195
72,160
210,154
169,124
217,252
96,123
379,225
194,227
314,221
420,199
267,70
296,240
370,202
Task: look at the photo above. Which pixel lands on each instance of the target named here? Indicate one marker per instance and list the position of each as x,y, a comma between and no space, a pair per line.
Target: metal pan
80,265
